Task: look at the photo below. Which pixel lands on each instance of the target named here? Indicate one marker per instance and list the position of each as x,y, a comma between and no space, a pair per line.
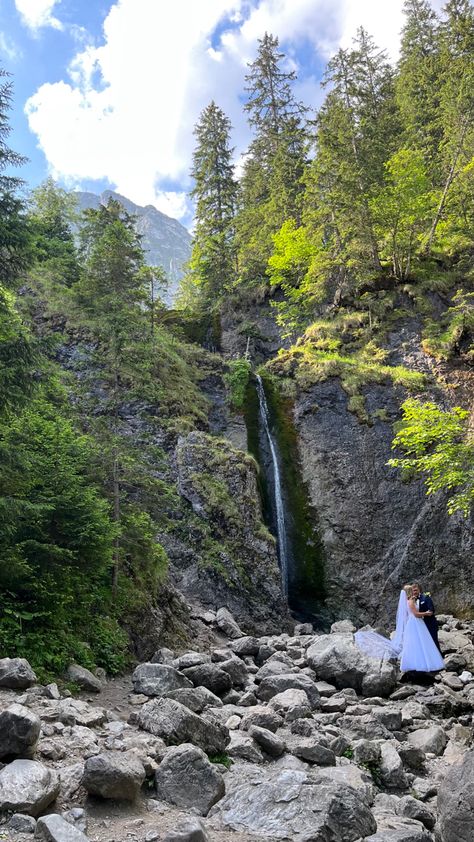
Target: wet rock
26,786
176,724
19,732
456,802
158,679
187,778
290,806
83,678
54,828
117,775
16,673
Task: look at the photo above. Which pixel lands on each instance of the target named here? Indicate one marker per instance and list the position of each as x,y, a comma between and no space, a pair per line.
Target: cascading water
279,507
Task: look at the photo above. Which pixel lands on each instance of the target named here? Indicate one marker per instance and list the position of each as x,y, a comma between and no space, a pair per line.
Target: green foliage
439,448
236,379
453,334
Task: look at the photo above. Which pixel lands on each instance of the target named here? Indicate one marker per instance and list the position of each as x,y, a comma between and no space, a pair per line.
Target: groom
425,603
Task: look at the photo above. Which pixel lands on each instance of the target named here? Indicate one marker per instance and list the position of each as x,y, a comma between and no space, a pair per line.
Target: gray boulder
157,679
412,808
274,684
290,806
227,624
114,774
84,678
16,673
399,829
432,740
262,717
336,658
54,828
271,744
186,778
391,769
176,724
27,786
245,646
216,680
190,659
456,802
196,699
20,823
190,830
19,732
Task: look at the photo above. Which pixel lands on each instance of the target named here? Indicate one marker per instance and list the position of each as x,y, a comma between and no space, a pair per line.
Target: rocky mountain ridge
166,242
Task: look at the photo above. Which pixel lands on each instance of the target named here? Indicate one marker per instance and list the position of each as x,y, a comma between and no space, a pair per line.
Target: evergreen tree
53,217
215,190
419,80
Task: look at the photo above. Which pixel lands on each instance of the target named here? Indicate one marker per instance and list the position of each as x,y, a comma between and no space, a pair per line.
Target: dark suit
426,604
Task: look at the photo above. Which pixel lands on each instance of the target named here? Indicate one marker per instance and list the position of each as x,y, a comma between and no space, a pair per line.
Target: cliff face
377,532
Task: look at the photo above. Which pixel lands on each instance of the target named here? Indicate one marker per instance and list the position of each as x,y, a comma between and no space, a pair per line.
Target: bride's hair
408,590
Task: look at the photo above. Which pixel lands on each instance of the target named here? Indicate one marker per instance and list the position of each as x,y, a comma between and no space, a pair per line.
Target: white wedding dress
412,643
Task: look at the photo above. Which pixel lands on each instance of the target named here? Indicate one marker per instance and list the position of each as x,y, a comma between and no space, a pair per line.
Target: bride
411,643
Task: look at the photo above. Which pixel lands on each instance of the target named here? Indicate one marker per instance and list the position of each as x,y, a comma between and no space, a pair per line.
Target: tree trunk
451,176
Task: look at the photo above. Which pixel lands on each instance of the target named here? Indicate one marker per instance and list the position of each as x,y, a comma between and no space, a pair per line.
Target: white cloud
126,111
8,48
38,13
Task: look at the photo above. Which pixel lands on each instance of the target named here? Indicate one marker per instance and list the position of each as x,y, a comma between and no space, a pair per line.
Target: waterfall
279,507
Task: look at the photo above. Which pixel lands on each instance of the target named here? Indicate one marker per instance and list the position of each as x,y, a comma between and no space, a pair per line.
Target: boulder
456,802
84,679
54,828
243,747
313,751
288,805
262,717
190,659
227,624
26,786
19,732
336,658
412,808
114,774
274,684
391,769
190,830
186,778
271,744
196,699
176,724
399,829
237,671
157,679
211,676
20,823
16,674
245,646
430,740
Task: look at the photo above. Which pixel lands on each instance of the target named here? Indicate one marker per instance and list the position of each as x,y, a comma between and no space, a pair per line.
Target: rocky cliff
165,241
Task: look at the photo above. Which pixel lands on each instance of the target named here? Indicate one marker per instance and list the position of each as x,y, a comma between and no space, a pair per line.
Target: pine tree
53,216
215,191
419,81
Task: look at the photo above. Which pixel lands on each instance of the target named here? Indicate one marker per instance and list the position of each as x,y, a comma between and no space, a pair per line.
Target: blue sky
106,93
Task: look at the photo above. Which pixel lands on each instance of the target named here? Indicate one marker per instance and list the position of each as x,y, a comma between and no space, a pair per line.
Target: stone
54,828
261,716
367,752
399,829
84,679
412,756
237,671
190,830
335,704
176,724
77,817
51,691
289,699
186,778
391,769
211,676
272,685
276,667
243,747
190,659
245,646
358,779
227,624
116,775
20,823
303,629
196,699
431,740
16,674
335,658
163,656
271,744
288,805
157,679
27,786
313,752
19,732
411,808
343,627
456,802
